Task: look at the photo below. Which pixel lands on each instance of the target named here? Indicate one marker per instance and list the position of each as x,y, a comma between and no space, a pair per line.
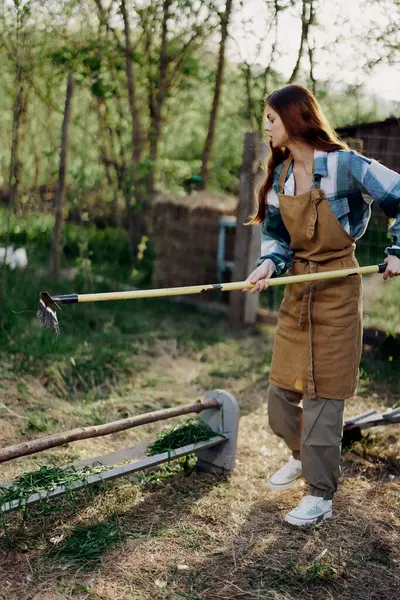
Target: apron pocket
337,302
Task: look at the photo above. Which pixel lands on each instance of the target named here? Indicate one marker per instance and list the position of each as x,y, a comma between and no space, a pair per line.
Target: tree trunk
134,214
130,76
311,49
13,180
208,145
108,156
128,173
59,199
312,77
249,98
108,150
268,68
157,103
305,24
35,192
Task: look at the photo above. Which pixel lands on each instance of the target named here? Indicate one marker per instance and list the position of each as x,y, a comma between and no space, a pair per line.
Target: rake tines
47,312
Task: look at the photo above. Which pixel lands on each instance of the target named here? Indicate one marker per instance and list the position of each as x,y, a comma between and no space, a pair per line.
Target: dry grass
203,537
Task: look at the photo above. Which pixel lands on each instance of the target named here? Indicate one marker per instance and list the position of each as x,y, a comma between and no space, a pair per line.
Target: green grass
37,420
379,376
86,545
297,575
101,345
385,311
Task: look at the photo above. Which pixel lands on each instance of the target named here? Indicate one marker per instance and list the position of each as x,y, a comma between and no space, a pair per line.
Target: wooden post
243,306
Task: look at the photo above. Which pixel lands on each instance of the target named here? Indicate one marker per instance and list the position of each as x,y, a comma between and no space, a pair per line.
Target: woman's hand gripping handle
393,267
260,277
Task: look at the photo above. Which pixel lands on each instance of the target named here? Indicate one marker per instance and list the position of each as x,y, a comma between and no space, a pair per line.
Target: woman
312,212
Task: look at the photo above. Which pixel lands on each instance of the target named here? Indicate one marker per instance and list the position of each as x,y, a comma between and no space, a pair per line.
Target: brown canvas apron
318,340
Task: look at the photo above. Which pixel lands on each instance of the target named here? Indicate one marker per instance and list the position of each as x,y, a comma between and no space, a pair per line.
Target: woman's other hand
392,269
260,276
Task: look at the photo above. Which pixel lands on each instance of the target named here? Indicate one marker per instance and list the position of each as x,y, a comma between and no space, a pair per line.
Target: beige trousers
313,434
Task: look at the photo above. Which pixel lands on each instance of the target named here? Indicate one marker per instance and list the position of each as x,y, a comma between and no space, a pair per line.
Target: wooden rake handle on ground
49,304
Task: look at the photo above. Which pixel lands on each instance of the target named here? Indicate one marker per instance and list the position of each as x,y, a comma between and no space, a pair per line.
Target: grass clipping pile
48,478
191,432
84,545
44,480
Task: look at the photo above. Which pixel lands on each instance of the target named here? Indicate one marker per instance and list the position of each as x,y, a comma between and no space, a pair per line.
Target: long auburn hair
304,121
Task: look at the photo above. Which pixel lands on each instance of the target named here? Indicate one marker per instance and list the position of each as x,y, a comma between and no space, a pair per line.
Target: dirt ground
199,536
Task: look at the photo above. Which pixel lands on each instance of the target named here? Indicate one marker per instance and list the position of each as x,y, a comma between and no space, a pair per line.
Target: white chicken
15,259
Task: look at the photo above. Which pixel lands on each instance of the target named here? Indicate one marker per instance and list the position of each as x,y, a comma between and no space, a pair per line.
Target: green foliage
88,63
35,232
97,59
191,432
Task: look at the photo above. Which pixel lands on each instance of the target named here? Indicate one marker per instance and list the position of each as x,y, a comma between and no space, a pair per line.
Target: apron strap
282,178
316,195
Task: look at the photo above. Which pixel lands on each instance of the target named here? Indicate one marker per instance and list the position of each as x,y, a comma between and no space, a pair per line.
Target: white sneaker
311,510
286,477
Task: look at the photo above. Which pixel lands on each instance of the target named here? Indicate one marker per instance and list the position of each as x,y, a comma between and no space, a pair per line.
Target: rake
48,305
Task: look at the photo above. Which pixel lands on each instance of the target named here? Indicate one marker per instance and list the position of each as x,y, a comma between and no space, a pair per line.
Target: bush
35,233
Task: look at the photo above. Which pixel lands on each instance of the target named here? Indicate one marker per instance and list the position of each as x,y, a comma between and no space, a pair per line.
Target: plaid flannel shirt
344,176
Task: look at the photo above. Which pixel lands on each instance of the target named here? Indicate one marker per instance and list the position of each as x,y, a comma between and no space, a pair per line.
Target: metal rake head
47,312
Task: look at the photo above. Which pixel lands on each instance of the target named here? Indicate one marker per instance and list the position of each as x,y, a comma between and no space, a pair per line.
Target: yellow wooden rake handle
223,287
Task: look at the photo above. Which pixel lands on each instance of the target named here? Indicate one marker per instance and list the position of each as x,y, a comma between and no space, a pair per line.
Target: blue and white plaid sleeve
275,239
383,185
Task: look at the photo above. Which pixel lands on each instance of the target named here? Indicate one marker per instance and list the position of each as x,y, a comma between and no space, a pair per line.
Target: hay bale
186,230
